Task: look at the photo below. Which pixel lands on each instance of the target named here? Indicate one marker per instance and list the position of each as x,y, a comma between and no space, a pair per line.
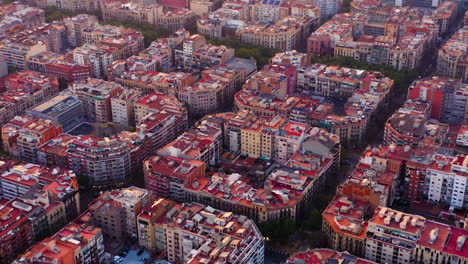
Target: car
140,252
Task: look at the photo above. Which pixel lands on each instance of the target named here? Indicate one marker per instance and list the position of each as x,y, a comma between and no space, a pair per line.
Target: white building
447,181
123,114
329,7
94,56
391,236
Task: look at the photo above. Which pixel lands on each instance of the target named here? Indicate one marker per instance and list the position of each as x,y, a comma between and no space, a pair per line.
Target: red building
16,233
165,175
435,90
319,45
71,72
176,4
416,174
289,71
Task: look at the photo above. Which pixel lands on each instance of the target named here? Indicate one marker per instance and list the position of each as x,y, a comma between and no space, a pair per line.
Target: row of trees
281,230
246,50
149,31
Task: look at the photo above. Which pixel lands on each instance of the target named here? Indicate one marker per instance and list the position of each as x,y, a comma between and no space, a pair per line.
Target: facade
452,57
123,108
446,181
285,34
131,11
106,162
344,224
176,20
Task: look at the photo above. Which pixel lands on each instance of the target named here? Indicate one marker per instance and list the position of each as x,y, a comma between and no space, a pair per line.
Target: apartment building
23,90
96,97
34,135
161,119
406,126
205,96
322,41
55,152
96,33
75,25
202,7
268,93
106,162
116,212
392,236
167,176
446,180
285,34
16,233
398,37
440,242
131,11
75,243
16,53
159,103
291,57
177,19
447,97
325,255
17,17
50,186
97,57
445,16
63,109
344,224
154,82
123,108
197,53
328,8
203,142
181,244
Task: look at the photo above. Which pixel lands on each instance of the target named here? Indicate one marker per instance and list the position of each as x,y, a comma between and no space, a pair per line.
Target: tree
314,222
82,179
52,13
279,230
159,68
63,83
149,31
246,50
